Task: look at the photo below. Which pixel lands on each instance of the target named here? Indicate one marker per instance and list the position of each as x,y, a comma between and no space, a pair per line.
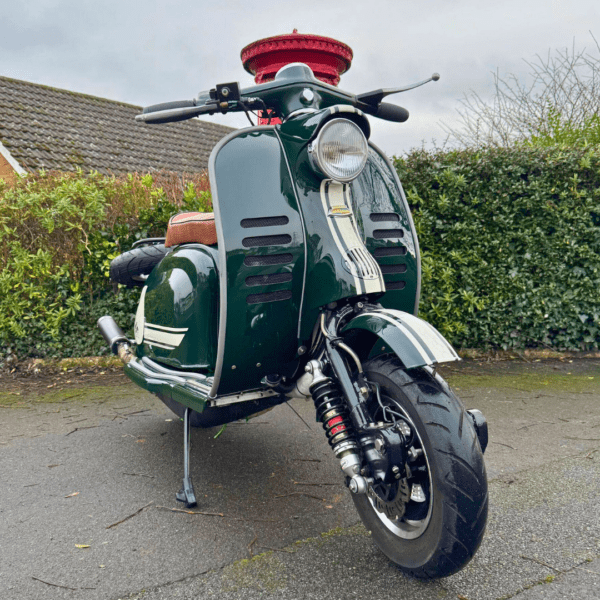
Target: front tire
440,537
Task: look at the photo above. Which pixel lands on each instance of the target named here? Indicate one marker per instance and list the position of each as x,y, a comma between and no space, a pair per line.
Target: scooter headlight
340,150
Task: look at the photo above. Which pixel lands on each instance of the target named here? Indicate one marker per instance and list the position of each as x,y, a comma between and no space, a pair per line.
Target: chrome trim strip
162,369
301,213
135,364
245,397
222,254
410,220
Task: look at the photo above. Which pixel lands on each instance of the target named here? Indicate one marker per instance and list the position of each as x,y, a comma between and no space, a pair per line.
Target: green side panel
382,217
375,195
262,243
328,280
183,294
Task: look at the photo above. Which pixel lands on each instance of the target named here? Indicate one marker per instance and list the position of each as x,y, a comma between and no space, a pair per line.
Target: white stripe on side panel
371,285
331,194
418,347
171,339
163,328
158,345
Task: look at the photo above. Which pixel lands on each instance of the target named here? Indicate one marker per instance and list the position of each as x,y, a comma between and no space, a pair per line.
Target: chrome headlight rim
320,164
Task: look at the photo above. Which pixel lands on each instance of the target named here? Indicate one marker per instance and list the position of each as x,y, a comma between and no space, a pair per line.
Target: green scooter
305,283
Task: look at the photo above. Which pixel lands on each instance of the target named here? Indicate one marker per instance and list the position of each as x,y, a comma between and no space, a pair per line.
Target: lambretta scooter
305,284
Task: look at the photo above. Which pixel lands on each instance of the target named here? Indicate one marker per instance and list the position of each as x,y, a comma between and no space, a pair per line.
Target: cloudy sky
148,52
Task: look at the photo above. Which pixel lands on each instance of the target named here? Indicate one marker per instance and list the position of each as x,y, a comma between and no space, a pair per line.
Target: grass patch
529,382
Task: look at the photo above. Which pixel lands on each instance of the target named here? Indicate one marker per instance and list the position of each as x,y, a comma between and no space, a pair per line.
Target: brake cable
393,414
246,111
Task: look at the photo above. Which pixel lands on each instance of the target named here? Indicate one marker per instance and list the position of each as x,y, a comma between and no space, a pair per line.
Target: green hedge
510,244
58,234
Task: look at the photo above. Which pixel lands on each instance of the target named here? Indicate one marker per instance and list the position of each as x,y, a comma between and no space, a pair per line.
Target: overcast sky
148,52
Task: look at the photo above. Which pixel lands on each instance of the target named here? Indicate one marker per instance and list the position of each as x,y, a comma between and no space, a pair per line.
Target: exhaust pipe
117,341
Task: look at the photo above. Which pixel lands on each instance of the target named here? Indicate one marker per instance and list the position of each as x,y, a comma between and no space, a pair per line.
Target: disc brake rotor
390,499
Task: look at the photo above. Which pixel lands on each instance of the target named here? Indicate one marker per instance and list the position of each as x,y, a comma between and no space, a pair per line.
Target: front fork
352,434
340,403
368,452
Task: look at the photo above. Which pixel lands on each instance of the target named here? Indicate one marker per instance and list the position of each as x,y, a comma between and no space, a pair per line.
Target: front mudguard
414,341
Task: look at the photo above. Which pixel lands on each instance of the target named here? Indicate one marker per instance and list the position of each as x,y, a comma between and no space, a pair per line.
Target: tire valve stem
333,414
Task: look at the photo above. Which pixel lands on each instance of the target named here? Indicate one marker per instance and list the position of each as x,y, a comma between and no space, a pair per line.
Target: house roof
48,128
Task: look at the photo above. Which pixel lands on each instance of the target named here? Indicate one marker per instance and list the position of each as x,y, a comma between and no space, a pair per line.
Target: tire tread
464,497
135,263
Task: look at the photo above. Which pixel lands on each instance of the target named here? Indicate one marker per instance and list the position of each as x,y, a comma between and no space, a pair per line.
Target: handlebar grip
169,106
391,112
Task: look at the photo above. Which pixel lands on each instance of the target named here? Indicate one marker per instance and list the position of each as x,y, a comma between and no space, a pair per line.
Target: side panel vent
378,217
384,234
395,285
389,269
266,240
268,261
269,297
264,222
269,279
393,251
361,264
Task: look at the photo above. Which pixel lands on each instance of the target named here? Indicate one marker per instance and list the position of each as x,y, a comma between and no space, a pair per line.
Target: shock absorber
333,414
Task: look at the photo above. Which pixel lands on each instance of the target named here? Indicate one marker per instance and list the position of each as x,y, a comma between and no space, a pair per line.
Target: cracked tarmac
77,461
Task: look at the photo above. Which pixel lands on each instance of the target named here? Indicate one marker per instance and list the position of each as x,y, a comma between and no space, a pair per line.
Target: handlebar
391,112
181,110
282,95
171,112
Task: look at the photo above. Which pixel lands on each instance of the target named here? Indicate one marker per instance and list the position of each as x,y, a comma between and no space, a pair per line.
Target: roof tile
49,128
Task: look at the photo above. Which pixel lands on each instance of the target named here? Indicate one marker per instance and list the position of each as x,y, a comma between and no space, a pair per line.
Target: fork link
333,413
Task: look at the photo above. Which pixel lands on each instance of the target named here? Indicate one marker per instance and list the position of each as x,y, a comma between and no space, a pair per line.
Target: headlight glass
340,150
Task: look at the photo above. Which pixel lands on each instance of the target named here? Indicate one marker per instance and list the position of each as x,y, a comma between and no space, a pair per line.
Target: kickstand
186,494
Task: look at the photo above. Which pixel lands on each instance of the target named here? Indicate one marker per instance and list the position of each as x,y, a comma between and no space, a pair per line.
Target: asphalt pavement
88,477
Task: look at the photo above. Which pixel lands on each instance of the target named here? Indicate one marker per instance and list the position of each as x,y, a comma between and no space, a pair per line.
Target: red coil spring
332,412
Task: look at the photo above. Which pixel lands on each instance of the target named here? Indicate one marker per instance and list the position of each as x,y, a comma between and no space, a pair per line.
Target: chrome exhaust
117,341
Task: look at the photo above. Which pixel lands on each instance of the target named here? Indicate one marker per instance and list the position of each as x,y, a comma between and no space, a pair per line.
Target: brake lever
376,96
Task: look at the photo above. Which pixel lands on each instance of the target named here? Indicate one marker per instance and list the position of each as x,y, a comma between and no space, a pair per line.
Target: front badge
341,210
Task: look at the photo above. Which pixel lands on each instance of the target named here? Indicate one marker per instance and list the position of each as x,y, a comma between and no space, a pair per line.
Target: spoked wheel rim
403,527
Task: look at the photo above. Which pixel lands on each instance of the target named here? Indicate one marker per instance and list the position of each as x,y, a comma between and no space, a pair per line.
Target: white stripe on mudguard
162,337
394,321
434,340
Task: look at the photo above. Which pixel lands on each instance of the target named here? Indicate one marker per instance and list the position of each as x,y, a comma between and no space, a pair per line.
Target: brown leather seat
191,227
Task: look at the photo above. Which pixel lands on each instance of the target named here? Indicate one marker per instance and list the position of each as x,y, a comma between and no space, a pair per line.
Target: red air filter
327,57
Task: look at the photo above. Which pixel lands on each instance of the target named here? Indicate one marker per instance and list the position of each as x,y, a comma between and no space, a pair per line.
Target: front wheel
431,522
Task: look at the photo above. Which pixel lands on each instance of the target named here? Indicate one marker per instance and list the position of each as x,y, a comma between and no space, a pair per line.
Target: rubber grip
391,112
169,106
